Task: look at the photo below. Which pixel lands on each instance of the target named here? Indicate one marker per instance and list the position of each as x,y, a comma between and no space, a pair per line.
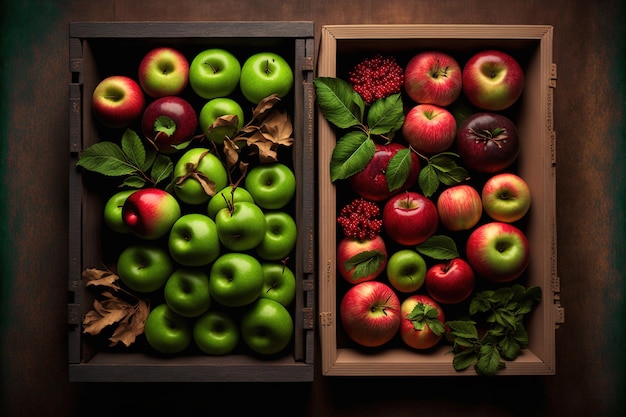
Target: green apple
150,213
506,197
214,73
264,74
217,119
166,331
272,185
406,270
216,333
187,292
227,196
279,283
199,174
144,267
241,227
280,236
193,240
113,211
236,279
266,326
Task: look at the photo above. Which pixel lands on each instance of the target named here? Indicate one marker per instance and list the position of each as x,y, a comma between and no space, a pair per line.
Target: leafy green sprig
365,126
136,165
495,333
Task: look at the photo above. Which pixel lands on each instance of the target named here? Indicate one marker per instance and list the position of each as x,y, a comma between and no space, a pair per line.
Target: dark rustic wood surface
34,159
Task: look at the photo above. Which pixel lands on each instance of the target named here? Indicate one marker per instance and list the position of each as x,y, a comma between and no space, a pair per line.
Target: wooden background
588,108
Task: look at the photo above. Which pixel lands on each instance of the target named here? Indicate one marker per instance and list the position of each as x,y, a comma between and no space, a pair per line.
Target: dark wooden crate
96,50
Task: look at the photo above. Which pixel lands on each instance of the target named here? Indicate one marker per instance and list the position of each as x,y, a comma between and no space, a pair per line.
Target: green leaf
386,115
134,181
338,102
509,348
465,329
489,361
165,125
162,168
428,180
151,154
452,177
464,359
106,158
439,247
133,148
424,315
364,263
351,155
398,169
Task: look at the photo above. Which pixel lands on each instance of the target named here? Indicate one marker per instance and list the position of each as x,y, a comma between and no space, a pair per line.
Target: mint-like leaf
385,115
439,247
106,158
364,263
338,102
489,361
351,155
428,180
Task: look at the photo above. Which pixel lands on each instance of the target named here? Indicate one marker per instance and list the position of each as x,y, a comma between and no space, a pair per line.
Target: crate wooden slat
93,49
535,127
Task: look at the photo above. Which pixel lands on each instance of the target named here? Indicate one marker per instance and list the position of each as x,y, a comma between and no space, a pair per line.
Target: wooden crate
340,48
98,49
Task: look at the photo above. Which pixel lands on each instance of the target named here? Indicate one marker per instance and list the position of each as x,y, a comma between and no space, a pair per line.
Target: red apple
429,128
371,183
506,197
361,260
498,251
370,313
422,325
460,207
487,142
450,282
150,213
117,101
168,121
433,77
492,80
409,218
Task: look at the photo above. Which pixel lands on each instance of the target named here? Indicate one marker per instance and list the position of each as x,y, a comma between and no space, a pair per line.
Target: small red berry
377,77
360,219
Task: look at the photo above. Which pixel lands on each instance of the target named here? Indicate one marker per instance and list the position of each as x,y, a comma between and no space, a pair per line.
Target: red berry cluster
377,77
360,219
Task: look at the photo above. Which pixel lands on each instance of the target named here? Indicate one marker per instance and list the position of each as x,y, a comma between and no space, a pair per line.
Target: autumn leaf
107,312
112,308
131,326
98,277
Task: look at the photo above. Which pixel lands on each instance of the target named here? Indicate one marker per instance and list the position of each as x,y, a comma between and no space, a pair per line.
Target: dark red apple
450,282
169,120
371,183
409,218
487,142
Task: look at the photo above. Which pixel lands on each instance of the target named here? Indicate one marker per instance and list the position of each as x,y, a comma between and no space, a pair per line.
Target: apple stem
497,136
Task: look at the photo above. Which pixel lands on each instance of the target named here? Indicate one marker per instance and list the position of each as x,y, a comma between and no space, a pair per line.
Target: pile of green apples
213,254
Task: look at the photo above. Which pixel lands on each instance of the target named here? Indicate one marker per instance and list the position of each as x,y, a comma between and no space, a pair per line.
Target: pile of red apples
484,214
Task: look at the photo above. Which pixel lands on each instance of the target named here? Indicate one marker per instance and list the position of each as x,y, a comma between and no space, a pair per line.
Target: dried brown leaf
264,105
131,326
107,312
98,277
231,153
